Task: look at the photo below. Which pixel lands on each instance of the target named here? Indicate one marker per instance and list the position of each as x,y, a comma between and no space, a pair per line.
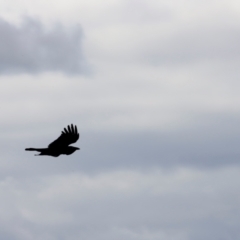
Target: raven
61,145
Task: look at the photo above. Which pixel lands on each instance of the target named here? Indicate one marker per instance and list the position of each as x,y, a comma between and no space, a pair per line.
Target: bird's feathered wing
69,135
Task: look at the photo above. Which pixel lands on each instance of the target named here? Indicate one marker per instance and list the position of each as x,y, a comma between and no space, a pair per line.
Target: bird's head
75,148
71,149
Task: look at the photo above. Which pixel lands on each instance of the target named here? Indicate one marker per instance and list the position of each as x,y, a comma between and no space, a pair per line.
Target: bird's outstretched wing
69,135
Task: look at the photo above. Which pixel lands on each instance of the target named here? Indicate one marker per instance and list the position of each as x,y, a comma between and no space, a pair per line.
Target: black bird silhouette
61,145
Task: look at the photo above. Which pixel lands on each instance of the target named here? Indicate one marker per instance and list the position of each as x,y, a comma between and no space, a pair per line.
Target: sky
153,87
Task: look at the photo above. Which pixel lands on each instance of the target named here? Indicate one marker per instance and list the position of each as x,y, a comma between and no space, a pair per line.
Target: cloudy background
153,87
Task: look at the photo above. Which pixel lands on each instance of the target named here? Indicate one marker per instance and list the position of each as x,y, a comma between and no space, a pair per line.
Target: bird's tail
33,149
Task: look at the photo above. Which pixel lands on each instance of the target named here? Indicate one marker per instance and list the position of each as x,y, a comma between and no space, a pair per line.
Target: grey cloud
212,143
31,48
212,146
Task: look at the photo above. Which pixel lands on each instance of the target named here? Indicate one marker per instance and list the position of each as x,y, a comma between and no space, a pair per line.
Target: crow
61,145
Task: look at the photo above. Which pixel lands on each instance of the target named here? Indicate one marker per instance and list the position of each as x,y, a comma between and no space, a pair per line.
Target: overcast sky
153,87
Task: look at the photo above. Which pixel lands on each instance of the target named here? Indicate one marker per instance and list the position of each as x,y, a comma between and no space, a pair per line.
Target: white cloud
136,205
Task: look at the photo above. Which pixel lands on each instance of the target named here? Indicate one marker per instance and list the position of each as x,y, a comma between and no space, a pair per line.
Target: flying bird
61,145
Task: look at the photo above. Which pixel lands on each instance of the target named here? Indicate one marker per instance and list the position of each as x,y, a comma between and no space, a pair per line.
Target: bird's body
61,145
54,152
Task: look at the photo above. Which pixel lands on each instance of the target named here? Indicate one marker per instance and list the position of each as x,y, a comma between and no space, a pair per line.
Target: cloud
31,48
182,36
127,204
158,121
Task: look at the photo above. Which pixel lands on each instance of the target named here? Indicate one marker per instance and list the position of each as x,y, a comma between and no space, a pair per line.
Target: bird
61,145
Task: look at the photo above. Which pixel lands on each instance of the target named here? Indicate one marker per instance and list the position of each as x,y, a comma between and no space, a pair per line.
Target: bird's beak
78,148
